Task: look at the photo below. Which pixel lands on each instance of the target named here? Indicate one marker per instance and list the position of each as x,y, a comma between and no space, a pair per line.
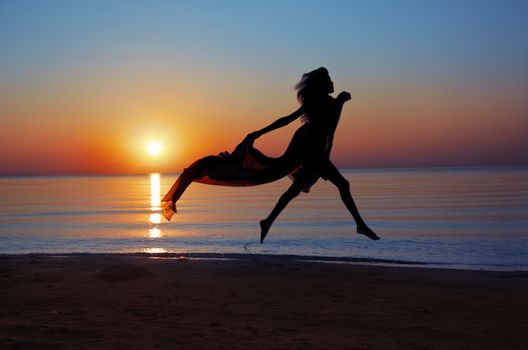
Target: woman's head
314,84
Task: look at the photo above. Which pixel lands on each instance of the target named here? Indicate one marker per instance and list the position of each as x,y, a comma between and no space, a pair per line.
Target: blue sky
448,37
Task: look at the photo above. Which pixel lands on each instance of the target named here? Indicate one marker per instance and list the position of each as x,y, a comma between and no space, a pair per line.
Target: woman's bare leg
286,197
343,186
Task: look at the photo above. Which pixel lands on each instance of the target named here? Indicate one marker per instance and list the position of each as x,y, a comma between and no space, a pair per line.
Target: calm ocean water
464,217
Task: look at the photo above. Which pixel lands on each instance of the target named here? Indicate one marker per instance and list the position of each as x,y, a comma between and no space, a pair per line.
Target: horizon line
95,174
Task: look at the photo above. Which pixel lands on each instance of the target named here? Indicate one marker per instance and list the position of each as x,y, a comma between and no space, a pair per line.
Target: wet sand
136,302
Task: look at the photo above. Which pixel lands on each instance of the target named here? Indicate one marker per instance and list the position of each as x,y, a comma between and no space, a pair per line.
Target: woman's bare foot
264,228
365,230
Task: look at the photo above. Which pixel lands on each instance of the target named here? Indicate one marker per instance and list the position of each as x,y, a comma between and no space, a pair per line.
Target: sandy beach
261,302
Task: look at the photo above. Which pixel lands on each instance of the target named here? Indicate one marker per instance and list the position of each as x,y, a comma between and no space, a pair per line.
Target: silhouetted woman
305,160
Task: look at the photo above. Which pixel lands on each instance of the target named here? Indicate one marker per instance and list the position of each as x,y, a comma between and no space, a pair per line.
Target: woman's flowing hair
311,87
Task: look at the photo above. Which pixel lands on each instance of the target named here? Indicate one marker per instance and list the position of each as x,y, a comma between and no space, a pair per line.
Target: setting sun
154,148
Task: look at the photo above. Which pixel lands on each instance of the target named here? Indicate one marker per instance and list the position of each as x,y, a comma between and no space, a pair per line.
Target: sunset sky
85,86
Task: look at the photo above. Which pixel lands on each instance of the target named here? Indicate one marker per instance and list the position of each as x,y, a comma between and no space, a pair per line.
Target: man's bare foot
264,228
365,230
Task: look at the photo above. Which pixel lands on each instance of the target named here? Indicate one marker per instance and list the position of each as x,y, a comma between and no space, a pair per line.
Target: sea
463,218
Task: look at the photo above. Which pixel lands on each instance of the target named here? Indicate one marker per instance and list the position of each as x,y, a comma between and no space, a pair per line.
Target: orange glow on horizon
379,126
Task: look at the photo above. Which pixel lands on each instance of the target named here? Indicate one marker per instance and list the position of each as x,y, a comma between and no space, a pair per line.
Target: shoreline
109,301
285,257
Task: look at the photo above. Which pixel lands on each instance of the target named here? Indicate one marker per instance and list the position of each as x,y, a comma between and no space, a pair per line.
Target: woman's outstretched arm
279,123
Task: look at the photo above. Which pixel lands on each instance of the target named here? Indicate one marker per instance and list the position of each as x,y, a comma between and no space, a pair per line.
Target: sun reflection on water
155,233
155,198
154,250
155,217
